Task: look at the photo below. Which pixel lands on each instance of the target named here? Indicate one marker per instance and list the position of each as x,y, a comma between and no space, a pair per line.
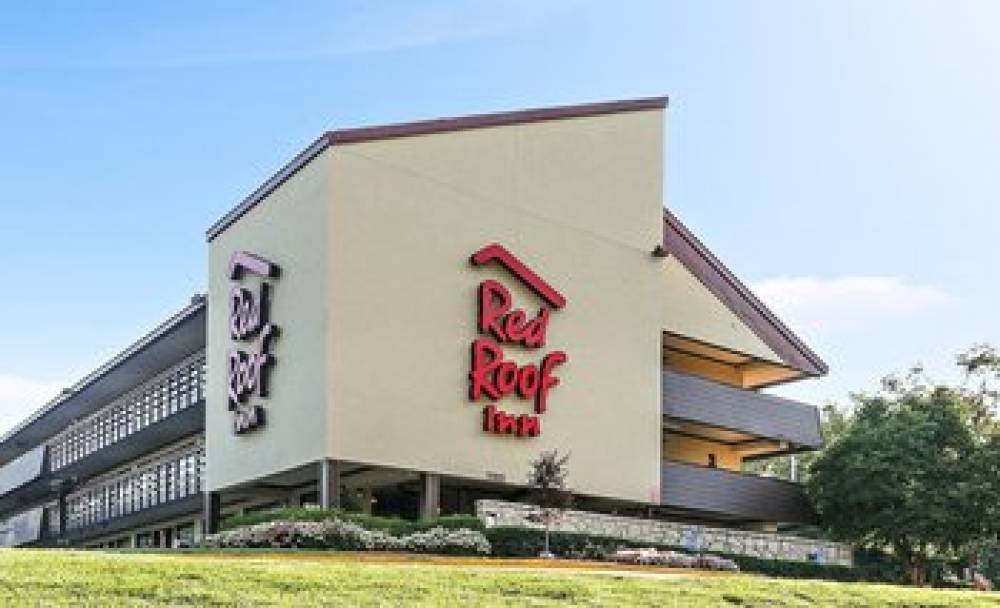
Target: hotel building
404,317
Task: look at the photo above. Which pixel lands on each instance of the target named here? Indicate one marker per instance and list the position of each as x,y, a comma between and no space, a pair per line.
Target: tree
547,479
981,388
834,420
912,472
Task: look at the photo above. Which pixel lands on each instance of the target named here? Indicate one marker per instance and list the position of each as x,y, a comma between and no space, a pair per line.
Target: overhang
174,339
742,416
681,243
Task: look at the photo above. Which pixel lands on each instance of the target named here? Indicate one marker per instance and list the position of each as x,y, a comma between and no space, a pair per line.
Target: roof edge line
819,367
495,119
270,185
425,127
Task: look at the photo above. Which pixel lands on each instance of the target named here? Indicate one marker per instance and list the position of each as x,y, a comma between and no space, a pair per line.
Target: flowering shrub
348,536
447,541
672,559
393,525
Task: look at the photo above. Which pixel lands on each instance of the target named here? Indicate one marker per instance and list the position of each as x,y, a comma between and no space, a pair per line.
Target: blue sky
842,158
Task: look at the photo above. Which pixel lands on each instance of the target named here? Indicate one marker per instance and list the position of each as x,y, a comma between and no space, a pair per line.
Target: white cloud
21,396
820,305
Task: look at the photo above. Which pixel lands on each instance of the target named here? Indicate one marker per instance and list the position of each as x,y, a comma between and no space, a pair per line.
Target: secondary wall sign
493,377
253,334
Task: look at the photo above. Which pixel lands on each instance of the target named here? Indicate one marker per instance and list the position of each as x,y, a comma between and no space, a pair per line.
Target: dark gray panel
174,340
21,529
733,495
698,400
146,517
186,422
155,436
21,470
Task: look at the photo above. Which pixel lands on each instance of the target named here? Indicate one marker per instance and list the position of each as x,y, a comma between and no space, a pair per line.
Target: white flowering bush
673,559
447,541
347,536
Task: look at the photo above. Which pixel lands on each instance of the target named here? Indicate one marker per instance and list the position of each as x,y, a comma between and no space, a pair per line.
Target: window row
169,393
177,476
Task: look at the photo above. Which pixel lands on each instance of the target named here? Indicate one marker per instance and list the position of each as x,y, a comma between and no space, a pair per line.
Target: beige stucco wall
290,228
579,201
377,304
691,310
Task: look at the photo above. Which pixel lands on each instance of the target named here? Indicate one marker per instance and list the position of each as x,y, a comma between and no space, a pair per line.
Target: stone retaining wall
660,532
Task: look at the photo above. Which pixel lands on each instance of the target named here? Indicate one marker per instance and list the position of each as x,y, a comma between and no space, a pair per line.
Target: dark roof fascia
425,127
713,274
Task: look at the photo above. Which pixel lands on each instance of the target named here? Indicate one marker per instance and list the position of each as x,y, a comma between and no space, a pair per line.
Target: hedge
525,542
869,565
392,525
338,534
988,557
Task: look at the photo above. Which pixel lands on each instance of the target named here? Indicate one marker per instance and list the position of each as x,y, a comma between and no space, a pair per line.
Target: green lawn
63,578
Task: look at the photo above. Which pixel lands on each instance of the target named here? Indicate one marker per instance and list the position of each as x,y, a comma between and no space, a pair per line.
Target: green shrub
987,557
879,566
290,514
524,542
790,569
869,565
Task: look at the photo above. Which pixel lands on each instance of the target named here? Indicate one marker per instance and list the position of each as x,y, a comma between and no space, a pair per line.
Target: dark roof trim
498,119
197,305
685,246
426,127
301,160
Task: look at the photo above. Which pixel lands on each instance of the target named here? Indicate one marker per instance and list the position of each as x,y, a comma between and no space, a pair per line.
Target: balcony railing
169,393
172,477
732,495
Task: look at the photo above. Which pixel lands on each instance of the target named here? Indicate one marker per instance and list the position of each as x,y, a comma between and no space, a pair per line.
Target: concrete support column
62,513
430,495
199,530
329,484
213,512
366,499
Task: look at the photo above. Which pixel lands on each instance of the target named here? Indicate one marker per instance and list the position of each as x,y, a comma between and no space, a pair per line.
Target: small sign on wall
253,335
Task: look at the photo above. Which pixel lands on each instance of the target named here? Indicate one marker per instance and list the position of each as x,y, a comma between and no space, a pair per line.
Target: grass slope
69,578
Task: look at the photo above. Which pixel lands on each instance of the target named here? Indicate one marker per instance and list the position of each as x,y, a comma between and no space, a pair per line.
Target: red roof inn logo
249,326
492,376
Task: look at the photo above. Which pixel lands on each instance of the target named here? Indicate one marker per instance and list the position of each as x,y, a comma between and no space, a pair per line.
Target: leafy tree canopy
917,466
